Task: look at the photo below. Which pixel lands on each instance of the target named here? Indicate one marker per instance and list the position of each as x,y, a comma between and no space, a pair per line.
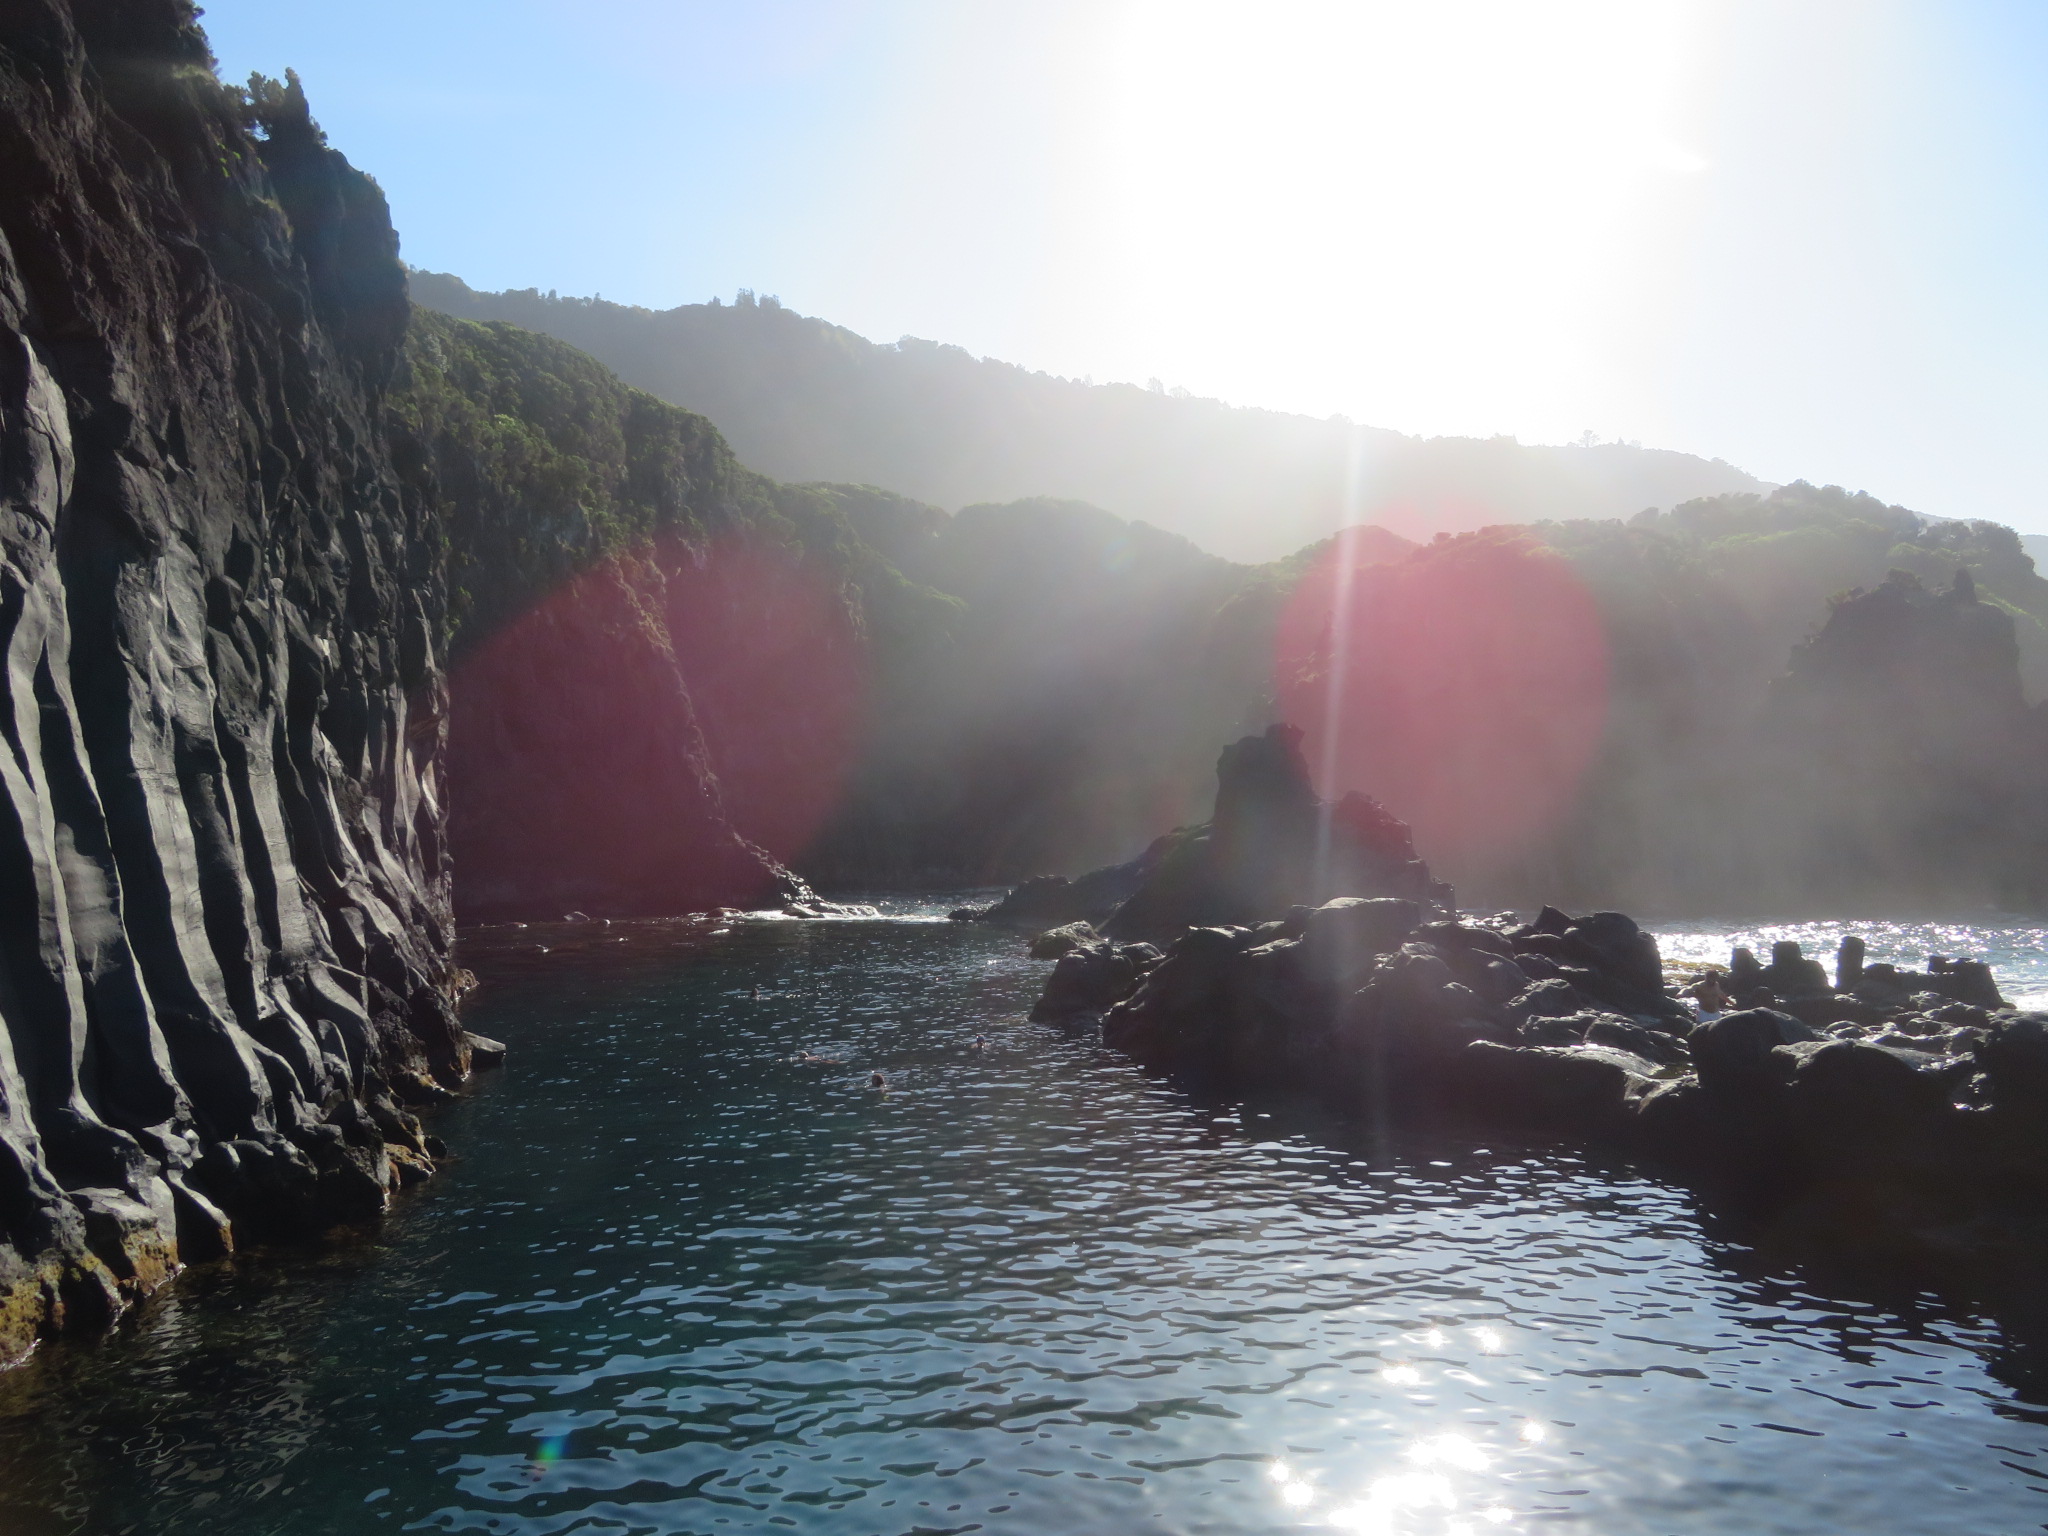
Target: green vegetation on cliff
803,400
1042,686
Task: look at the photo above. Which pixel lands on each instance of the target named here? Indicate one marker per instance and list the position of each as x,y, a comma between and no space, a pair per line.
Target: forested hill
804,400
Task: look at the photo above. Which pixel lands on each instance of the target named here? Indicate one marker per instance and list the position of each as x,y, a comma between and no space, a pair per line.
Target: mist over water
680,1280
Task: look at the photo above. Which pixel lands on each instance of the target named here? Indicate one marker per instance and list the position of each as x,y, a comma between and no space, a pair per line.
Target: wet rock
1825,1011
1345,938
1967,981
1791,976
1054,942
1054,900
1545,1000
2015,1063
1853,1101
484,1051
1621,948
813,906
1585,1090
225,627
1967,1015
1569,1029
1271,845
1652,1044
1086,979
1738,1139
1733,1054
1498,981
1848,962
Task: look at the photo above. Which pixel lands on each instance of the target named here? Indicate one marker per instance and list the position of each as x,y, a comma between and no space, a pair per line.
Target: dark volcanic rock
1051,900
223,860
1734,1053
1941,1110
1272,845
1582,1090
1086,979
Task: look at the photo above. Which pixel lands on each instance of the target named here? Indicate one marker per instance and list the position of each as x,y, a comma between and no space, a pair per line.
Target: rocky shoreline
1912,1101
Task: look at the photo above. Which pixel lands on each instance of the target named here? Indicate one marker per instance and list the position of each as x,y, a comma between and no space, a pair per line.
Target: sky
1806,236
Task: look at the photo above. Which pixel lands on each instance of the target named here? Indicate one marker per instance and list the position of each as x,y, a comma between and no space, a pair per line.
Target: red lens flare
1464,685
778,672
609,741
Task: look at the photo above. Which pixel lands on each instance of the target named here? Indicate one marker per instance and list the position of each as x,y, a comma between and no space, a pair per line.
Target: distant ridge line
802,399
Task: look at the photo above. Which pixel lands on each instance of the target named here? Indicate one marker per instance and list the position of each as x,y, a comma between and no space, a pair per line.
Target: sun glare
1444,189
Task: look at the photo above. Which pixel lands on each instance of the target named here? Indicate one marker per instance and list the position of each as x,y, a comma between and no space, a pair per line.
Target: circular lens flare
1464,685
611,739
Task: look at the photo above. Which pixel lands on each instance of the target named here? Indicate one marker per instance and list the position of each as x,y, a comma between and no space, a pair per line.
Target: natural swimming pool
678,1281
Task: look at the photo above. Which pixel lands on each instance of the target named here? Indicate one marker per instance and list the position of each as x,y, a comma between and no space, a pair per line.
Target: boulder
1545,1000
1791,975
1621,1034
1623,949
1585,1090
1270,845
1852,1101
2014,1061
1732,1054
1053,900
1967,981
484,1051
1717,1136
1086,980
1832,1008
1345,937
1054,942
1848,963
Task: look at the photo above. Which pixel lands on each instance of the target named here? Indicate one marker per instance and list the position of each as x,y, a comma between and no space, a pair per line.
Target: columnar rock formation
224,919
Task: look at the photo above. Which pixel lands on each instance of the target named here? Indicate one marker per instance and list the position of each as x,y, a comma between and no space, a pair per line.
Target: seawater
679,1278
2015,948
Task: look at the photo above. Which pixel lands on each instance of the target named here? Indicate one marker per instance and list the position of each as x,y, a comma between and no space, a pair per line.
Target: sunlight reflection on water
691,1275
2015,947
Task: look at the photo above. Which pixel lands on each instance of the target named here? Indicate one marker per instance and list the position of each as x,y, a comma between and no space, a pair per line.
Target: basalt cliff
225,944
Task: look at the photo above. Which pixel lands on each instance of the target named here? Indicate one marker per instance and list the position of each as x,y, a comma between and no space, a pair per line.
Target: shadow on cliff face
654,736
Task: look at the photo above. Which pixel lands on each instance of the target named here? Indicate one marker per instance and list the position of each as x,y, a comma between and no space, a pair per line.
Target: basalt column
224,930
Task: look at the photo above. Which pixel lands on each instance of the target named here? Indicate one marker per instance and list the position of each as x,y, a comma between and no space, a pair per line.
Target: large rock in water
226,945
1271,845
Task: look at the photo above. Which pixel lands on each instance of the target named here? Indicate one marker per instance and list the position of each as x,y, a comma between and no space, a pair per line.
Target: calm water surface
680,1282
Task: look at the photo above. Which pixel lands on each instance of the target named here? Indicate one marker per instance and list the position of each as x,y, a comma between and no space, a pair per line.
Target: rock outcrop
1918,1095
1916,1099
224,950
1271,845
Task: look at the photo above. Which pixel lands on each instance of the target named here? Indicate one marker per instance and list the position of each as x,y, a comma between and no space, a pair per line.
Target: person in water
1712,996
876,1080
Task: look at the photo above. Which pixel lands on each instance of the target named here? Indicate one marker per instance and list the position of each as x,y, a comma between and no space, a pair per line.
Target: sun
1430,206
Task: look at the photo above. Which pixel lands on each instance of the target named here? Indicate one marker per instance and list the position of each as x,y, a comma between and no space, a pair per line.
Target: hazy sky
1809,238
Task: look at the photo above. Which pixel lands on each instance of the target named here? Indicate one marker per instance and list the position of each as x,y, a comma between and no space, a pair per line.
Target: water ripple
683,1280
